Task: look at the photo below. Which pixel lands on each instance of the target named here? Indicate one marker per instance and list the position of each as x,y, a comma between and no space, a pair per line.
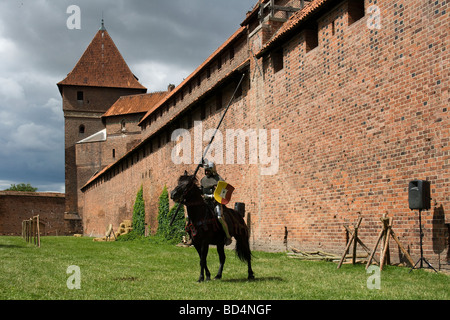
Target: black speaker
240,208
419,195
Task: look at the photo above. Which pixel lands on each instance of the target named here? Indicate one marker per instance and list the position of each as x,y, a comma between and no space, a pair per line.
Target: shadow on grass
262,279
11,246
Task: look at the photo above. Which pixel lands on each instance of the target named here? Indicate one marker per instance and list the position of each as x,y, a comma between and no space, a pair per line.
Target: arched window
81,129
123,125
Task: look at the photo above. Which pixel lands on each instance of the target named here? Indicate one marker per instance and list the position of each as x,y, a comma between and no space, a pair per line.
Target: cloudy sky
162,42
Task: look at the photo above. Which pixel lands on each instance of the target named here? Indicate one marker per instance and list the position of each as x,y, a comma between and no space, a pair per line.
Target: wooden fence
31,231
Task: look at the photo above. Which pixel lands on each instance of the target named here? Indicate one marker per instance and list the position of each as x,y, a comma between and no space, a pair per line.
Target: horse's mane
185,179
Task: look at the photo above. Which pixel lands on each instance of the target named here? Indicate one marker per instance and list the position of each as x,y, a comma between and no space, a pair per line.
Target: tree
138,222
22,187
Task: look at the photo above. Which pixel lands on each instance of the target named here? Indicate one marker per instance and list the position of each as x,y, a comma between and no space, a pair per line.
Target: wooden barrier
31,232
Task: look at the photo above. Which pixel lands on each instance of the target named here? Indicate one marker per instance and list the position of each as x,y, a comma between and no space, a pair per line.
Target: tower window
355,10
114,153
277,60
80,96
311,38
81,129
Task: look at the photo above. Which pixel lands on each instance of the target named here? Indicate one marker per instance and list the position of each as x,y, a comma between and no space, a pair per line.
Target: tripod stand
422,259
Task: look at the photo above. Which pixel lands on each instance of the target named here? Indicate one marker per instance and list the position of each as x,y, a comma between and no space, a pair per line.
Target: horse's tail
243,247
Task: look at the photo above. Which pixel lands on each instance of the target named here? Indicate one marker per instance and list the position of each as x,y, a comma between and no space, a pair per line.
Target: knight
208,184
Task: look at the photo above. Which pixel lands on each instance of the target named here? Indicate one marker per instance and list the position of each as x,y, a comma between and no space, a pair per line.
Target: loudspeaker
419,195
240,208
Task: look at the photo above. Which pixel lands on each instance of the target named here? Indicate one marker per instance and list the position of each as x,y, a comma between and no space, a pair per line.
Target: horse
205,229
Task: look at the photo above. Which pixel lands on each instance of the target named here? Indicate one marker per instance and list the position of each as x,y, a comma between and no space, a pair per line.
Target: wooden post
385,252
355,242
408,257
38,233
353,238
385,234
380,236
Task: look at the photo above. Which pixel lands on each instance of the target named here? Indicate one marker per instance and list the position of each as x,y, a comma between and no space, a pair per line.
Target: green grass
142,270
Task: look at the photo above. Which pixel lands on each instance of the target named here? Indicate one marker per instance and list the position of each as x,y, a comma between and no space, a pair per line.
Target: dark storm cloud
162,42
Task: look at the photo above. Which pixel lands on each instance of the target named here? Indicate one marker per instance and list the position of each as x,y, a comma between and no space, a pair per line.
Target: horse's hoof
218,278
251,277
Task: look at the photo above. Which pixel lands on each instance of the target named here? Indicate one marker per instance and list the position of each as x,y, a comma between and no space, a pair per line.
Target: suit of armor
209,184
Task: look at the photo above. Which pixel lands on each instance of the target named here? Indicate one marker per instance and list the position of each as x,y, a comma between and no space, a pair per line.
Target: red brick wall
18,206
359,116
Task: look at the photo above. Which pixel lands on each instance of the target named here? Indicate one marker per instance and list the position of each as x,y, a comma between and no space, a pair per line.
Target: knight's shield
223,192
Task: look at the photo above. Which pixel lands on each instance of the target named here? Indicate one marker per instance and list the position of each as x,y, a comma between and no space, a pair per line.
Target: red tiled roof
294,21
102,65
140,103
196,72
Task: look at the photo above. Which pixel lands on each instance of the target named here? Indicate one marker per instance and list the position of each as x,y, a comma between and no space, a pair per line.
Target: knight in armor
209,184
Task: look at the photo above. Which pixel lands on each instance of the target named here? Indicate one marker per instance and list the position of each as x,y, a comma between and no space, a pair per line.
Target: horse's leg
203,265
199,251
221,252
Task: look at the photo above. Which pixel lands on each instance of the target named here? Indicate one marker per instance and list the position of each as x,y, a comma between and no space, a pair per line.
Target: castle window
81,129
277,60
355,10
114,153
311,37
219,101
80,96
202,112
123,125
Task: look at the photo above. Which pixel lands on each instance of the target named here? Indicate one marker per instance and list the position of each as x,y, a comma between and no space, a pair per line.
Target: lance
209,144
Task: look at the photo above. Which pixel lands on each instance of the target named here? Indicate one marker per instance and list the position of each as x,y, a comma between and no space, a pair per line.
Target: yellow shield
223,192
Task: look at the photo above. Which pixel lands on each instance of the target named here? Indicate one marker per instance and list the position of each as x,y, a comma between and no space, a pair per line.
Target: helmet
209,165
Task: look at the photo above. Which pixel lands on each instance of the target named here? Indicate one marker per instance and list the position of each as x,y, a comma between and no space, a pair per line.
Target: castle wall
358,115
16,207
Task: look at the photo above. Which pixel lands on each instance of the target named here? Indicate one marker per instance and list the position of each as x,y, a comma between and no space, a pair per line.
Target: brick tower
100,77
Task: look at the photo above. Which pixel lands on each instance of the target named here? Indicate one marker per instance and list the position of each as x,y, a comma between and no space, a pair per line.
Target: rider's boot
225,229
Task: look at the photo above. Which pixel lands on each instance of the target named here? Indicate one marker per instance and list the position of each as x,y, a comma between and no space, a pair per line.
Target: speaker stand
422,259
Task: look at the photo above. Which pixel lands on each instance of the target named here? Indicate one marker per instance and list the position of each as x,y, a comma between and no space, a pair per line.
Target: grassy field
142,270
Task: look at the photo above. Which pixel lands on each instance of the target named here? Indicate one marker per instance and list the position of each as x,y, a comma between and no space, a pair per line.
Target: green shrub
175,232
138,222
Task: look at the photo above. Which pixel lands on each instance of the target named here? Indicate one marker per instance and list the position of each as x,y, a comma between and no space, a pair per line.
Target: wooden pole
385,248
38,233
408,257
350,243
380,236
355,242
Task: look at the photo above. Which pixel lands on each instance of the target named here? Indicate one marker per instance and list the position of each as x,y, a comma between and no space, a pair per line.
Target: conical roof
102,65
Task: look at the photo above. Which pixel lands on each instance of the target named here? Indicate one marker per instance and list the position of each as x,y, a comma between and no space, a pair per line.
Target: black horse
205,229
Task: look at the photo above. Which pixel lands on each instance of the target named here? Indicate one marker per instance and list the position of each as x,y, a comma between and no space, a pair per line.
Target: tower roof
102,65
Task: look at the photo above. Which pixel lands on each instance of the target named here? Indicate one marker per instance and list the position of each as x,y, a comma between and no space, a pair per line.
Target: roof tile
139,103
102,65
